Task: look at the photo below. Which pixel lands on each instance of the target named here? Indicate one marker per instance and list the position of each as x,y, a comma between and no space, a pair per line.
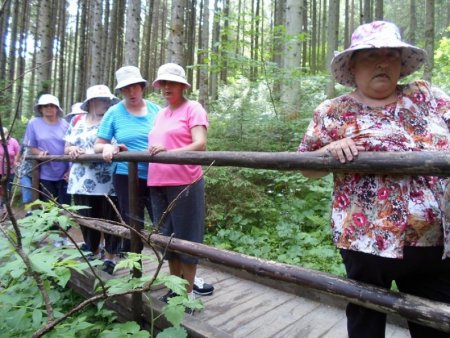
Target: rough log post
135,241
35,180
402,163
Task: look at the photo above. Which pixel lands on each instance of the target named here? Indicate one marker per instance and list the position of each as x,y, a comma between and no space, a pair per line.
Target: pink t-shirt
13,151
172,129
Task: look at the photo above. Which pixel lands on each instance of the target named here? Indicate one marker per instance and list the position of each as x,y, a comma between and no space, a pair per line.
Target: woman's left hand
75,151
156,148
344,150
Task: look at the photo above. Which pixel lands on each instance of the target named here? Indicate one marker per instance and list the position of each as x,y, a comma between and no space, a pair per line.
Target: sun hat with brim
98,92
129,75
45,99
171,72
377,34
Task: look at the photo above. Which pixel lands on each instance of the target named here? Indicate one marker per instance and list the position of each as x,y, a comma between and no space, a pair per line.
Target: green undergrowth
280,216
22,304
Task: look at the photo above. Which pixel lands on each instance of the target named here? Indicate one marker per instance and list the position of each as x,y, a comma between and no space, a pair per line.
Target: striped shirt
129,130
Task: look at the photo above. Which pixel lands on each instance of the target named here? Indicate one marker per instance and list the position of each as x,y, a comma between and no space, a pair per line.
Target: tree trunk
154,52
23,38
175,50
132,38
314,37
83,47
203,79
191,36
216,59
379,12
45,39
12,57
332,38
146,42
429,39
95,44
347,22
367,13
61,66
4,25
291,92
225,40
412,21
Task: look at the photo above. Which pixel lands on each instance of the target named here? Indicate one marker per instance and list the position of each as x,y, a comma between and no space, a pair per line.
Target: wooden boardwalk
248,306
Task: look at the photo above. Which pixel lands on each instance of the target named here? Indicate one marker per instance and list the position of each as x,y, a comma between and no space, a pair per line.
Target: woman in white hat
129,123
387,227
180,126
90,182
45,136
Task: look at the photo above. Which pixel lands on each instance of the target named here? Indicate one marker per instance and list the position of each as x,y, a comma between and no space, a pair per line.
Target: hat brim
85,105
412,59
39,113
130,81
172,78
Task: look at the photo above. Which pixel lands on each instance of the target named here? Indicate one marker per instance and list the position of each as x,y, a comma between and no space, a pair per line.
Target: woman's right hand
344,150
110,150
75,151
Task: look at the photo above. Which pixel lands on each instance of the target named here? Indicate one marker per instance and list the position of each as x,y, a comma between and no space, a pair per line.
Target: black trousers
421,272
121,187
99,208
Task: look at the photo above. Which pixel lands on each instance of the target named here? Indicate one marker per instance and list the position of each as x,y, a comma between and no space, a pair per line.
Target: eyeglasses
48,105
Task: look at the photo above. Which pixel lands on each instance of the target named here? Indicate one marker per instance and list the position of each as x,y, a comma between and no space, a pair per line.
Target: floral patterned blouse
380,214
93,178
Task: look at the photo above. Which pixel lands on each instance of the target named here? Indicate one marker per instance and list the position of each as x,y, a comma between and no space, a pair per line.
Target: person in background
90,183
387,227
45,136
75,110
180,126
13,149
128,123
24,174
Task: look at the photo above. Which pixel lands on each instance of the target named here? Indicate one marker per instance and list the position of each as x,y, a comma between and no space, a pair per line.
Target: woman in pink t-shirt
14,156
180,126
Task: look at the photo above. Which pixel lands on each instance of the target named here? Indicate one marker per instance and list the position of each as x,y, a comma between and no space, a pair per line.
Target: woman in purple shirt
45,136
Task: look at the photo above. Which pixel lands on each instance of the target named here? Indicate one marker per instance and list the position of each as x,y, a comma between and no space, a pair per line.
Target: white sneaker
201,288
67,242
57,243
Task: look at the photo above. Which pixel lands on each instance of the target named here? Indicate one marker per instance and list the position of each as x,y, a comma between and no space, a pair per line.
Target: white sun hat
171,72
97,92
128,75
377,34
45,99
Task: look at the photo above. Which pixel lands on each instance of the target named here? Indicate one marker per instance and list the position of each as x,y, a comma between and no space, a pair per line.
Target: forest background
258,66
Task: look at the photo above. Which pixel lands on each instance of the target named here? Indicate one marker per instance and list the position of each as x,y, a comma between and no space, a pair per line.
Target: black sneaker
108,267
201,288
167,296
189,311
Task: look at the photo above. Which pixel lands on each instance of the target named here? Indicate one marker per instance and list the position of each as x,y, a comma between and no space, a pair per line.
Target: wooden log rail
393,163
420,310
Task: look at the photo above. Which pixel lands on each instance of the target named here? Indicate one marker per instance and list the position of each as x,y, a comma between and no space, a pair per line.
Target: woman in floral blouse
388,228
91,182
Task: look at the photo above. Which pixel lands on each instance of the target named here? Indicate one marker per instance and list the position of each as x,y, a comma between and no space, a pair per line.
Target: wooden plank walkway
248,306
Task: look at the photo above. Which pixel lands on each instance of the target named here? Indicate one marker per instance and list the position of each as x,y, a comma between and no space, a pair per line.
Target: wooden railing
412,308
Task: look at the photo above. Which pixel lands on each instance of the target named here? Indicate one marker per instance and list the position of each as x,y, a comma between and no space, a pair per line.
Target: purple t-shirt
49,137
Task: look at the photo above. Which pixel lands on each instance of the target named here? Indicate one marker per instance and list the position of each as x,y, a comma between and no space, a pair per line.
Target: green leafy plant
34,293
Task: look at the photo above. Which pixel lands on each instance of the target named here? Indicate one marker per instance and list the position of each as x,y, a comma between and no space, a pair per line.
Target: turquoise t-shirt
129,130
